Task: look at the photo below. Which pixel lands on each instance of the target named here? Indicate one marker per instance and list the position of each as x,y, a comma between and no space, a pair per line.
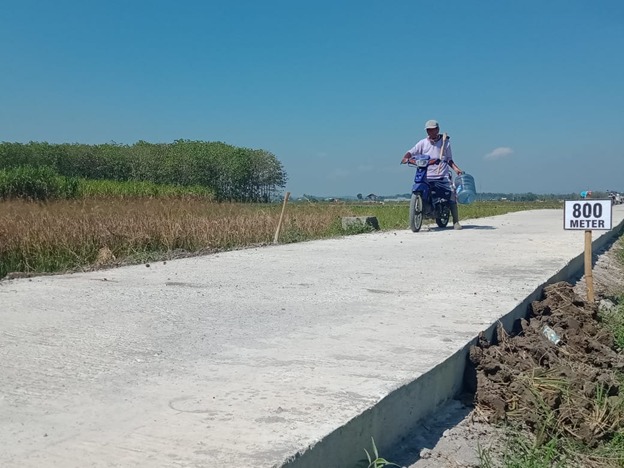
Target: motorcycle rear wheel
416,212
443,217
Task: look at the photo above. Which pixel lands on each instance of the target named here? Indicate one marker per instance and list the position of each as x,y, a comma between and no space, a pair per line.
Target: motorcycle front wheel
416,212
443,216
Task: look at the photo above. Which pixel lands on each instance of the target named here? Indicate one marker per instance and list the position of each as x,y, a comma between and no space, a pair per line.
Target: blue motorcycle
429,200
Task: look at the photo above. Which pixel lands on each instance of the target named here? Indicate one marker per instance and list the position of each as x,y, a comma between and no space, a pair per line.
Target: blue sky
531,92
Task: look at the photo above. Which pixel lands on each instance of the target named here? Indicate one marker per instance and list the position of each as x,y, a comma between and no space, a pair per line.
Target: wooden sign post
589,277
281,218
588,215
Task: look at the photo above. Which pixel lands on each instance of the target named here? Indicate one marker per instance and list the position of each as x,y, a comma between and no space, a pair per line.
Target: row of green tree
231,173
521,197
530,196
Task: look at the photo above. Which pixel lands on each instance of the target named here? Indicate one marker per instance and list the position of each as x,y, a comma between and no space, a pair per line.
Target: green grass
394,215
519,451
614,321
91,188
373,460
612,450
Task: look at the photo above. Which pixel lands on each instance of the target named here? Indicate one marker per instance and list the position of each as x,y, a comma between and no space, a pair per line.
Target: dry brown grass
65,235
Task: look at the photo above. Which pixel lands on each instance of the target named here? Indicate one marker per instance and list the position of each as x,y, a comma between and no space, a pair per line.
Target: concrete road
246,358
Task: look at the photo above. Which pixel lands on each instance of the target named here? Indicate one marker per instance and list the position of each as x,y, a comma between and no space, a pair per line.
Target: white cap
431,124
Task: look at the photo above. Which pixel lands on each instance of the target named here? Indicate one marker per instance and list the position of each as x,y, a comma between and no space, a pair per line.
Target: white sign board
587,215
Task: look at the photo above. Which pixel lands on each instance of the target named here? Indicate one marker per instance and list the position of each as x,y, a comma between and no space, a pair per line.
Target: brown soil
526,377
566,389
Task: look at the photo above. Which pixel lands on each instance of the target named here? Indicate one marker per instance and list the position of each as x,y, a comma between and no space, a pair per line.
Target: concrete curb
403,409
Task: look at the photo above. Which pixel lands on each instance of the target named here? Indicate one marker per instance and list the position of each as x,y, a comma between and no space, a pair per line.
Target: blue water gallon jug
465,188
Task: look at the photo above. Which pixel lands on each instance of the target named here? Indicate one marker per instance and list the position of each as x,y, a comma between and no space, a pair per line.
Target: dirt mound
564,388
529,380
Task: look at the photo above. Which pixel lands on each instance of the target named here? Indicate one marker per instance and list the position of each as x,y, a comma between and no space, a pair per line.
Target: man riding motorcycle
438,173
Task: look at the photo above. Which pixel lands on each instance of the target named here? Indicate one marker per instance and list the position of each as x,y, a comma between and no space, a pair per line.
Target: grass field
70,235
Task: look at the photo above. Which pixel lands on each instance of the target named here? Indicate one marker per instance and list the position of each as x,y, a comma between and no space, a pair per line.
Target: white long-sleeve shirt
433,149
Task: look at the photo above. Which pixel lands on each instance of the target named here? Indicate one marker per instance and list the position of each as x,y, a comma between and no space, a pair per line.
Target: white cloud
498,153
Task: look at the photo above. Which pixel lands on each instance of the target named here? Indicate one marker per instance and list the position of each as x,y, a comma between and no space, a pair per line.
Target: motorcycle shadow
435,228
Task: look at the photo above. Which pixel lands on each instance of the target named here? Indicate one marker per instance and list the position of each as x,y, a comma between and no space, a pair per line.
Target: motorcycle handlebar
412,164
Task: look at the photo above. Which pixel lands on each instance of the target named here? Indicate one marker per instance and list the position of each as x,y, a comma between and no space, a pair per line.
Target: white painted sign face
587,215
